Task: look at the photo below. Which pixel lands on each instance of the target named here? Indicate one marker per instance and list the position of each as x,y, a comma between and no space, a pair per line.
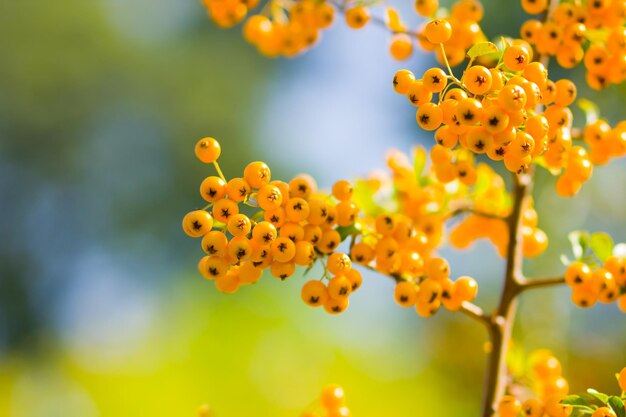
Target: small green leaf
363,197
345,231
574,400
620,250
617,406
602,397
602,245
482,48
419,161
580,241
591,110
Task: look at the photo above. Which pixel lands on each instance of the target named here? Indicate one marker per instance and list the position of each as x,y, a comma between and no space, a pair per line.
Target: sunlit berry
208,150
314,293
197,223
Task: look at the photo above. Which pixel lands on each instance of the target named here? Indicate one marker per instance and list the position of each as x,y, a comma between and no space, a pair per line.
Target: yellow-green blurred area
102,311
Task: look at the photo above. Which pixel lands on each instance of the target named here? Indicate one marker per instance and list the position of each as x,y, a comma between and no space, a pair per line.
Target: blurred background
102,311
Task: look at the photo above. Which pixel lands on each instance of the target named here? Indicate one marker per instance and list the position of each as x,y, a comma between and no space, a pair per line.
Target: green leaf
363,197
482,48
580,241
617,406
602,397
591,110
345,231
419,161
602,245
575,400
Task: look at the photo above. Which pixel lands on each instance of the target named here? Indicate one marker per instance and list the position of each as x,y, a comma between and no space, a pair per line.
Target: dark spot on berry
196,225
213,271
494,121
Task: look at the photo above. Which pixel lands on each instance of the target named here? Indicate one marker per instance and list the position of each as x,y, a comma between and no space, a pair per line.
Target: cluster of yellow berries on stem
599,280
591,33
510,112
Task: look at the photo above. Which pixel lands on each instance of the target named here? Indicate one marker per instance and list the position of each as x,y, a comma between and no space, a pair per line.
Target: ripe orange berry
357,17
509,406
516,57
429,116
215,243
212,189
329,242
212,267
249,273
334,306
402,80
283,249
495,120
401,46
239,225
577,273
314,293
227,283
282,270
302,186
257,174
208,150
197,223
512,98
239,248
418,94
438,269
477,79
269,197
426,7
534,6
435,80
297,209
339,287
264,233
362,253
565,92
405,293
333,397
237,189
532,408
438,31
535,242
223,209
603,412
355,278
338,263
469,111
342,190
465,288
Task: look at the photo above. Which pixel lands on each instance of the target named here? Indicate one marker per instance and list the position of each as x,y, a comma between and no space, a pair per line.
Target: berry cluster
253,223
547,383
575,32
458,30
548,393
606,284
290,225
436,289
333,403
512,113
290,28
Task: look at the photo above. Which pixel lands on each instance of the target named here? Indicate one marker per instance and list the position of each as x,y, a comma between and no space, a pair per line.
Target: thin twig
531,283
473,311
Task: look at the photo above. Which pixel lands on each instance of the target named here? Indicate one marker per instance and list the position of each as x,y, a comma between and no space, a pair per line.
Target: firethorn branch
529,284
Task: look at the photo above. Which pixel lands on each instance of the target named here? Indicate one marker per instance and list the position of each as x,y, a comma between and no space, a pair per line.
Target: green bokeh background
102,312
